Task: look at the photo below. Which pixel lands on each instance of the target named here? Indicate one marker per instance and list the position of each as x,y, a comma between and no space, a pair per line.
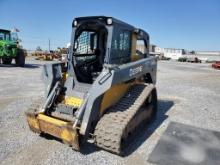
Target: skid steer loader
106,92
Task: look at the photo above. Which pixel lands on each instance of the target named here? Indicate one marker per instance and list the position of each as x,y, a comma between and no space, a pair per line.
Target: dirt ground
188,93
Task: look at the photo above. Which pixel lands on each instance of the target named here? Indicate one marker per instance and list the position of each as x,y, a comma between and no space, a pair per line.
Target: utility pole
49,44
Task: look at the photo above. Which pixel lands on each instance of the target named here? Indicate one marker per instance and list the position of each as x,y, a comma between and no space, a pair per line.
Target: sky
185,24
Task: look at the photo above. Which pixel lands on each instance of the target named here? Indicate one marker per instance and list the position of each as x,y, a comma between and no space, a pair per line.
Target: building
212,53
204,55
156,51
159,50
167,52
173,53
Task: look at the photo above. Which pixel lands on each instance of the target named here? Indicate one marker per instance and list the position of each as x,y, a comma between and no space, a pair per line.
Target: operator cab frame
8,35
5,34
100,41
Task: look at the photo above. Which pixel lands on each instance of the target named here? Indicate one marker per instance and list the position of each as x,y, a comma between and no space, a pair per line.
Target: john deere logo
135,71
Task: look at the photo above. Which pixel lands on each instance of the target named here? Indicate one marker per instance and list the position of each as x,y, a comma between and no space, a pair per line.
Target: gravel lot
188,93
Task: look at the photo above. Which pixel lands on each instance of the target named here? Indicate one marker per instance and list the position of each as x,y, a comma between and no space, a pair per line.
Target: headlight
109,21
75,23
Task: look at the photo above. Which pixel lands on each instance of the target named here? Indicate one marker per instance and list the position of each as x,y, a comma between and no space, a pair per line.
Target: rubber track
110,128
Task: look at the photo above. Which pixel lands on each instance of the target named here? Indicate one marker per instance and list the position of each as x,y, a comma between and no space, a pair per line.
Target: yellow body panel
113,95
73,101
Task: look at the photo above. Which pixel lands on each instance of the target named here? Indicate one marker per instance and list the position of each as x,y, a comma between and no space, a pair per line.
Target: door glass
121,46
85,41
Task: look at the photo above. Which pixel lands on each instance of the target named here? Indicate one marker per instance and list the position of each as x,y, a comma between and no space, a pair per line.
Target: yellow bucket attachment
55,127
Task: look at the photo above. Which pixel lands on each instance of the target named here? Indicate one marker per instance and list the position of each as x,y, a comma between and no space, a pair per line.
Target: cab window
7,37
141,49
2,36
121,46
86,43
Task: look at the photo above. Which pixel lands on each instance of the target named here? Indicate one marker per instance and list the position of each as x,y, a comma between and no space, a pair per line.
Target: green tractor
10,49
